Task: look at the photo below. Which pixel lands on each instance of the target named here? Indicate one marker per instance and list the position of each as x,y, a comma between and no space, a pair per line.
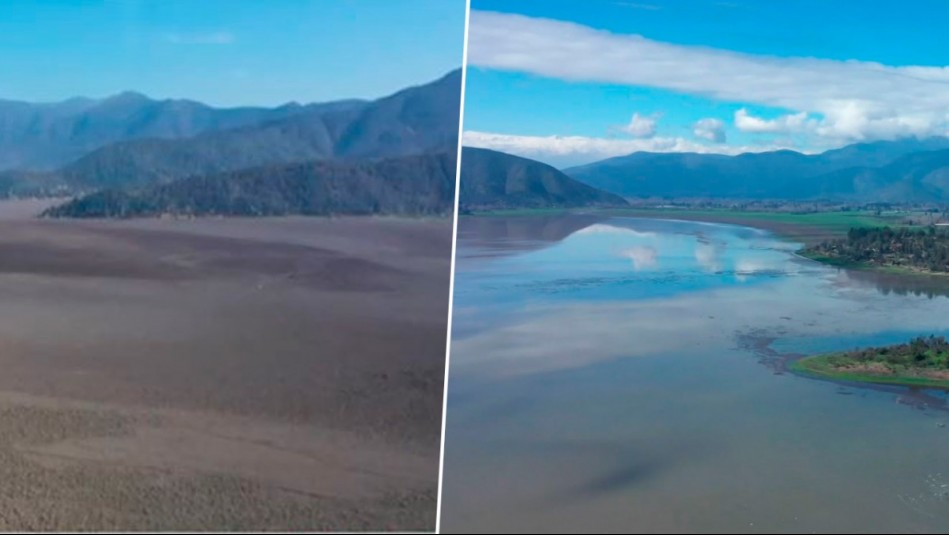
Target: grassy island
923,361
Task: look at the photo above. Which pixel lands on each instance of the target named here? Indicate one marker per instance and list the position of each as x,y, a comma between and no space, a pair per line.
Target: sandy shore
275,374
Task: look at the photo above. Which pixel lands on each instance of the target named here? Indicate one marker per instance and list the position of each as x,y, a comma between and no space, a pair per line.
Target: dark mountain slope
411,185
414,120
492,180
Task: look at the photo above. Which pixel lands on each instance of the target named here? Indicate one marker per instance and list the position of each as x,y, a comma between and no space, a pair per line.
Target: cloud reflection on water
799,298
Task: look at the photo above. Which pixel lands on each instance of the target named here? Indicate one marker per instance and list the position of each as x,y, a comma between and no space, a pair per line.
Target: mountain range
144,143
907,170
414,120
46,136
132,155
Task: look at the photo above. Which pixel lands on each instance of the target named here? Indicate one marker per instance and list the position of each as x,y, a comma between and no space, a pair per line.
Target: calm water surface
626,374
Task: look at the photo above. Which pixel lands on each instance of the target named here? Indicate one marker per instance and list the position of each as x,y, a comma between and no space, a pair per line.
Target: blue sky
226,52
568,82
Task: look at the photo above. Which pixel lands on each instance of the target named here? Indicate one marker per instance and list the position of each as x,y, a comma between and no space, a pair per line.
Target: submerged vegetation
924,361
925,250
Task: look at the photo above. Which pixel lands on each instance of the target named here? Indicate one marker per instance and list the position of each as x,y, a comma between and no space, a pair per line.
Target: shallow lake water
626,374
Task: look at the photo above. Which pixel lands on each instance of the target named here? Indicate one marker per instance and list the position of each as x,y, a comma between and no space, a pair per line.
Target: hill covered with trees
492,180
915,249
410,185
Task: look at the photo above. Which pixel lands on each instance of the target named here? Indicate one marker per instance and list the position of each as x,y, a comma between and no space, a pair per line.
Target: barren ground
274,374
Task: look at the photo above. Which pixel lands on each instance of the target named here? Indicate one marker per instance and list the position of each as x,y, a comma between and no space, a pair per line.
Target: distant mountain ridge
916,177
492,180
415,120
44,136
908,170
395,155
306,136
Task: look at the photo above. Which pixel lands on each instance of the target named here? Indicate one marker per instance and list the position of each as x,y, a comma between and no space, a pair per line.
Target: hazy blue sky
226,52
568,82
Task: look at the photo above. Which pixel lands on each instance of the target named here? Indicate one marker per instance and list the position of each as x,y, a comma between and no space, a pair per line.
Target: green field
836,221
516,212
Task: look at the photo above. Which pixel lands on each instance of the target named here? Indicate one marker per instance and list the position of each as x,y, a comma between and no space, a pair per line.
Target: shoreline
809,228
860,266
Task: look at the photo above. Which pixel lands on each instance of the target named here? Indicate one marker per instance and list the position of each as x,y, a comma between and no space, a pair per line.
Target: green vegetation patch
841,220
923,361
898,250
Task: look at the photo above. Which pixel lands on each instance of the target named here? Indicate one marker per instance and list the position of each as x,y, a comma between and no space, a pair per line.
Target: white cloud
785,124
855,100
639,126
710,129
708,256
564,151
643,257
610,229
745,268
201,38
